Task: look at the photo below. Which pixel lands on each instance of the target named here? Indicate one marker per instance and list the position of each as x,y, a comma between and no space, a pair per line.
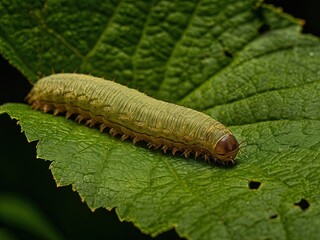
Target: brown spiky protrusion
164,148
174,150
68,114
124,137
113,132
35,105
79,118
45,108
150,145
90,122
102,127
56,111
186,153
135,140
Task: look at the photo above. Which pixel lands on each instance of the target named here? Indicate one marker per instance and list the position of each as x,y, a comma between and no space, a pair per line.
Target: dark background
32,179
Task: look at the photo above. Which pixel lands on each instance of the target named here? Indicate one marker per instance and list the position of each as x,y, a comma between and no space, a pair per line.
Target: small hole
254,184
228,54
264,28
274,216
303,204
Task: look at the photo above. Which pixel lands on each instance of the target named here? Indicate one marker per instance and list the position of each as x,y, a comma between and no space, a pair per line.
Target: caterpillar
132,114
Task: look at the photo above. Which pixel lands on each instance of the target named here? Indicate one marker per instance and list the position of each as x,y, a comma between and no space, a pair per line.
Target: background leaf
243,63
20,213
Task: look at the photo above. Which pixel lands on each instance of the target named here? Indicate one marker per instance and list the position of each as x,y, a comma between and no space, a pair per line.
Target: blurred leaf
245,64
6,235
19,213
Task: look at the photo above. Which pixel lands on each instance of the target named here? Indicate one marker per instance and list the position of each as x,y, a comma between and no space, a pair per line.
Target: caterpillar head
227,148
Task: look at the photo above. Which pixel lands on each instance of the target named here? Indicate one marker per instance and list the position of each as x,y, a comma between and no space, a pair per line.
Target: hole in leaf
228,54
264,28
254,184
274,216
303,204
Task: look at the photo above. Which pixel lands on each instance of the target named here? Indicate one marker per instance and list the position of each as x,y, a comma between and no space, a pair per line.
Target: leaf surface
211,56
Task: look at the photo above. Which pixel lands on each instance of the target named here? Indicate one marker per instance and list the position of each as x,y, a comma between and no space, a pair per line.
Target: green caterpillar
134,115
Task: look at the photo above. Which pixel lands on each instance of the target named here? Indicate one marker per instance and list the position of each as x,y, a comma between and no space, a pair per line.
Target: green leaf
19,213
207,55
